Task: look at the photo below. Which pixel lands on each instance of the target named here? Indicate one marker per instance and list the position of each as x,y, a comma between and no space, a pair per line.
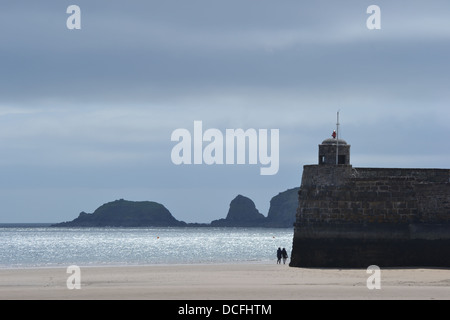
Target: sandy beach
223,281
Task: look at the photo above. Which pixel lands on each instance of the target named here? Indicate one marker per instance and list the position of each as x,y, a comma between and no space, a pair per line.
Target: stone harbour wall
348,216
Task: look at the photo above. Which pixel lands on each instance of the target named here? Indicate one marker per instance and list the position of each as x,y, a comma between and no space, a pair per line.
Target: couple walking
281,254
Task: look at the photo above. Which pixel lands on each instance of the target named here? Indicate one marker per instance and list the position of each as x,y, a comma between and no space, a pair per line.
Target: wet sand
223,282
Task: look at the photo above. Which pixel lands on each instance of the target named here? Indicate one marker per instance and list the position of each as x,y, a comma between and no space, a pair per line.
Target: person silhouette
279,256
284,255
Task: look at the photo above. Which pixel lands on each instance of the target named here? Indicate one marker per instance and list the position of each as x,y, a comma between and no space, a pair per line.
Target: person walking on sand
279,256
285,255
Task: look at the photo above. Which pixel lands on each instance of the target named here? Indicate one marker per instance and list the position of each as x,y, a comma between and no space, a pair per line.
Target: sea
39,245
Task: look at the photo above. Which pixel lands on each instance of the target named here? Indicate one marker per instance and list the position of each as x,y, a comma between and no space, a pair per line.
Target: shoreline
119,265
240,281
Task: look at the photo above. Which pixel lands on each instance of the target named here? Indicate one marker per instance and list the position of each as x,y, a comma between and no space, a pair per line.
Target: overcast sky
86,116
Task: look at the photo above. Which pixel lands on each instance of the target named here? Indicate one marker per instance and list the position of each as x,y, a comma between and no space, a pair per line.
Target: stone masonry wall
355,217
331,194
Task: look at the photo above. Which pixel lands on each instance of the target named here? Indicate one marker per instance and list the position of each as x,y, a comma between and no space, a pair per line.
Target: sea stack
242,213
356,217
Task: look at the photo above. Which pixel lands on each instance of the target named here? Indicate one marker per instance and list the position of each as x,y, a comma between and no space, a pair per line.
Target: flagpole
337,139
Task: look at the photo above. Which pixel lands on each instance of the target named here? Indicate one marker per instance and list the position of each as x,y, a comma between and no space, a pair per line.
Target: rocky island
283,208
242,213
123,213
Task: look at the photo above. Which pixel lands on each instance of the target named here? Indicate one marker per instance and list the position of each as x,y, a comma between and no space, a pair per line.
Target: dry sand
227,281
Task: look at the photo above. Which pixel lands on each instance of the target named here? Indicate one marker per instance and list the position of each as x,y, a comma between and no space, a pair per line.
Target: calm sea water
24,246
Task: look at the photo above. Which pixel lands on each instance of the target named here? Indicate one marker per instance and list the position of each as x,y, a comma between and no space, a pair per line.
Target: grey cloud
94,109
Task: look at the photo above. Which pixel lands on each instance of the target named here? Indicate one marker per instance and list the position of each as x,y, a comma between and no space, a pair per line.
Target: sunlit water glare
40,247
